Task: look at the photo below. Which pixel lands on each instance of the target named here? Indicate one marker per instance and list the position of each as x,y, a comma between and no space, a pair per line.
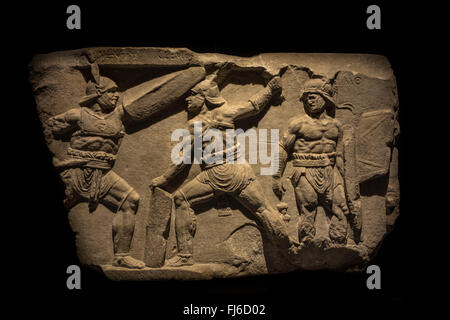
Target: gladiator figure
314,143
237,179
96,130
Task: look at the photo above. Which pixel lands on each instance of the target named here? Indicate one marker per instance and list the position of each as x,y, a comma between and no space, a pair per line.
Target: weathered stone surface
148,98
225,232
198,272
157,230
375,136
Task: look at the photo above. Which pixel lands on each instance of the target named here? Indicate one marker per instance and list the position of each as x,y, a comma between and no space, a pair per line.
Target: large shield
157,230
351,170
150,97
374,136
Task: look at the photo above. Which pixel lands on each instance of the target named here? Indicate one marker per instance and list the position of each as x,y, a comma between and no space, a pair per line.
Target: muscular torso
315,135
213,119
98,132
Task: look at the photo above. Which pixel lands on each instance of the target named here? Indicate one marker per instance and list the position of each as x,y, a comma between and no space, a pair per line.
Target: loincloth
318,169
228,177
96,186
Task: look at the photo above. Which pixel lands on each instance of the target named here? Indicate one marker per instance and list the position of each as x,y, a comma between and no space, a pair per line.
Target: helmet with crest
96,88
320,86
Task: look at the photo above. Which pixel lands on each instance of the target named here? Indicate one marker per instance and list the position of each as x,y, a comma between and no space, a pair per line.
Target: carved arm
62,123
256,103
173,170
285,147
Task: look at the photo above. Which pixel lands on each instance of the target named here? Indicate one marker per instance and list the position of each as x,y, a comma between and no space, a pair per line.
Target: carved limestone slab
179,165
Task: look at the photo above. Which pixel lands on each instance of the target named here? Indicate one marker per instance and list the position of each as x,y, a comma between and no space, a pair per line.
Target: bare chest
318,130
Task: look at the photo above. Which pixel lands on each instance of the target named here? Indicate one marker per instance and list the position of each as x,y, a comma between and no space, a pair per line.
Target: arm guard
260,100
173,170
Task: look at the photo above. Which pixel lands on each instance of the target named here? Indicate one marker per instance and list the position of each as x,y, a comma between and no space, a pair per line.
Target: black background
45,242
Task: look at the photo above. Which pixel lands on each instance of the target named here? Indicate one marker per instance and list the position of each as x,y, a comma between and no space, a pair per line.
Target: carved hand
275,85
157,182
278,187
48,134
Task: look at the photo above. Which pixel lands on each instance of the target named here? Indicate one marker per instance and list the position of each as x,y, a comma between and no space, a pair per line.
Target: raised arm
62,123
256,103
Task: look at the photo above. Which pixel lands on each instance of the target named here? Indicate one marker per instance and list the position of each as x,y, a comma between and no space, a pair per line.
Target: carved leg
307,202
185,227
335,204
193,192
338,225
72,197
124,201
123,230
252,197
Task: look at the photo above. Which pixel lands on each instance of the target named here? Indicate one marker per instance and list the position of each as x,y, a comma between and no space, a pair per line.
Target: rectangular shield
375,135
157,229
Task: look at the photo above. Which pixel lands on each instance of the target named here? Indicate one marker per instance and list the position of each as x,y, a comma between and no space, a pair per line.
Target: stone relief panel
180,165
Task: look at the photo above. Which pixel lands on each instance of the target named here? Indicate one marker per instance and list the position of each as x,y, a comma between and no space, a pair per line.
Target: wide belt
213,159
313,159
95,159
